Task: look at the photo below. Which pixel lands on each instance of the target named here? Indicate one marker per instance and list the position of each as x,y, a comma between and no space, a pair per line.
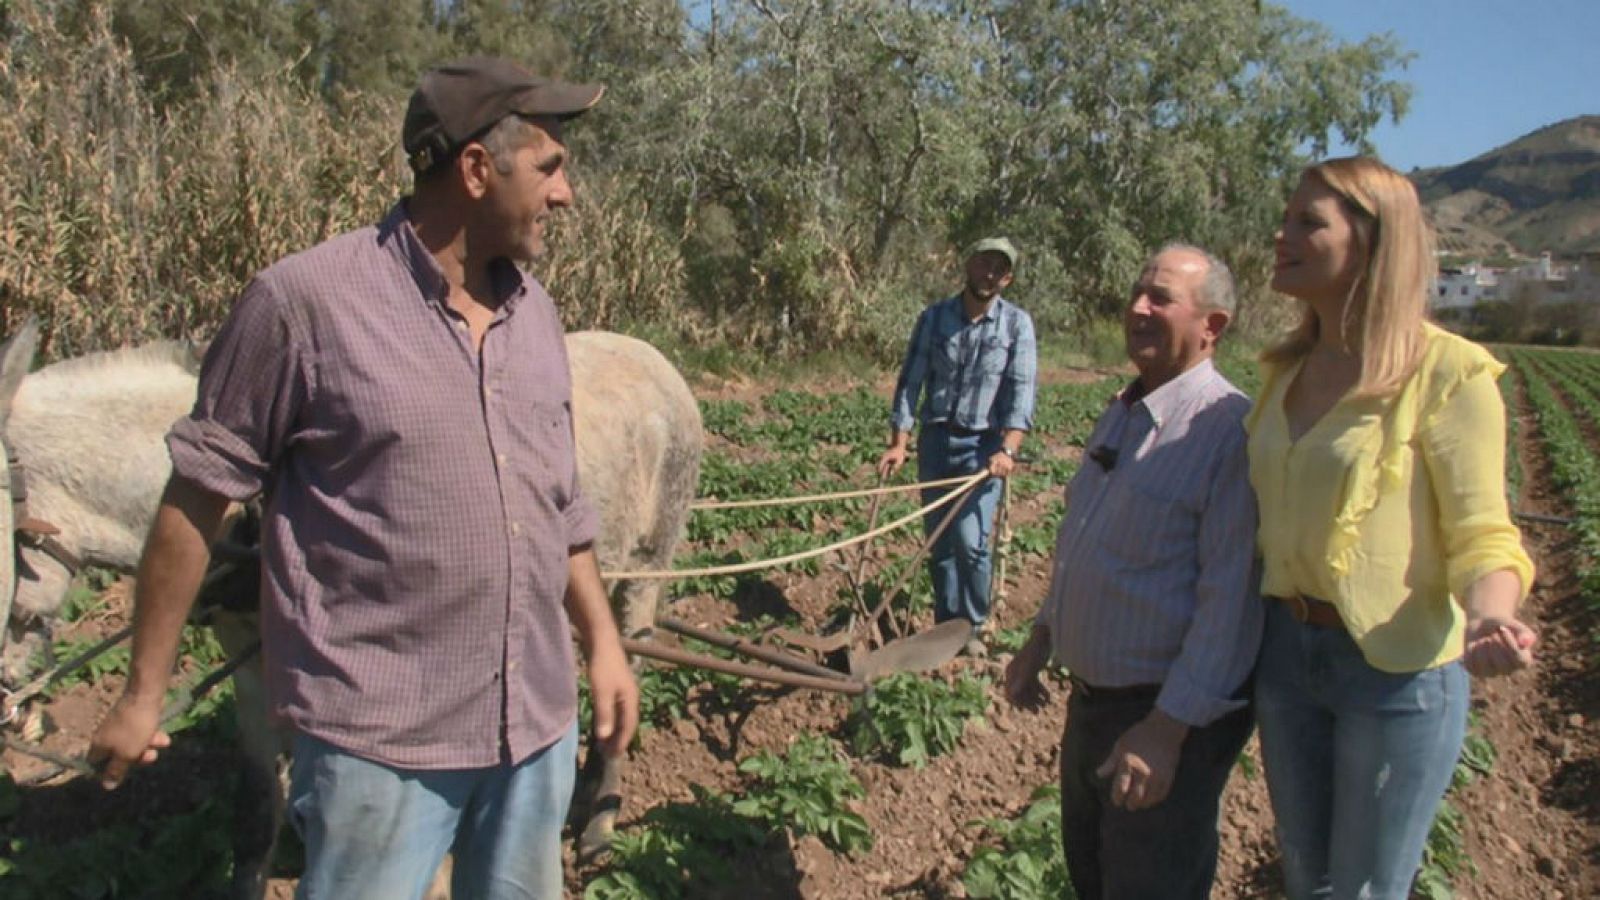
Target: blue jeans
959,562
1356,759
374,832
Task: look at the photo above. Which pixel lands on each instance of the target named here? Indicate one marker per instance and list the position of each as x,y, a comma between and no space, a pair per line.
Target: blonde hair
1388,302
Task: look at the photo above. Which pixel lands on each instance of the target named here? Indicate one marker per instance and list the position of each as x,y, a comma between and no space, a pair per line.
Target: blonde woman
1377,452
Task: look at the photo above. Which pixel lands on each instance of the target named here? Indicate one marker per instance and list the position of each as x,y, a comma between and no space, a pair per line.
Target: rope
839,495
966,483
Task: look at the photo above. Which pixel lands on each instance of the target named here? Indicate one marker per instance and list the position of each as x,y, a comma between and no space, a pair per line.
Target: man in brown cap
400,397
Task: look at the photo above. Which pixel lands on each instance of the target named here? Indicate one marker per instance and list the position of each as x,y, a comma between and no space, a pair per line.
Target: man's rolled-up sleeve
1021,378
253,384
913,371
581,518
1220,647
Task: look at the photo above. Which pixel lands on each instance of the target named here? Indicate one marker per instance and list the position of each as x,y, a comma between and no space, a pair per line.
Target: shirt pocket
993,354
543,456
1147,527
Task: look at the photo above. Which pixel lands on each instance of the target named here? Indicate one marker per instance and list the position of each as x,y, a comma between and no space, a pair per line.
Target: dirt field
1532,826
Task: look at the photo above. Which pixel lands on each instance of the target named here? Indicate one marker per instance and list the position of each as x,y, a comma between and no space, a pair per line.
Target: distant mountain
1539,192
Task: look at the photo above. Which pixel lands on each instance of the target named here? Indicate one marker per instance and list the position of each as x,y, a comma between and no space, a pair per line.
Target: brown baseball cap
459,100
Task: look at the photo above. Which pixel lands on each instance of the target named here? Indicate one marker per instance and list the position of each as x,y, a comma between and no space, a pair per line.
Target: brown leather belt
1312,611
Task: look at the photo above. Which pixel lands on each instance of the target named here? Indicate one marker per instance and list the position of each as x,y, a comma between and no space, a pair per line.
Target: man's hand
1022,686
1143,762
1497,645
611,686
1001,464
615,697
891,460
130,735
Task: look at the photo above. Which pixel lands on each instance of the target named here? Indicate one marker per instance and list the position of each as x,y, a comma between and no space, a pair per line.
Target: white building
1465,287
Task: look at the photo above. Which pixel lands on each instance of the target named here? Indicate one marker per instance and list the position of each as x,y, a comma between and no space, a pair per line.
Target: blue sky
1485,73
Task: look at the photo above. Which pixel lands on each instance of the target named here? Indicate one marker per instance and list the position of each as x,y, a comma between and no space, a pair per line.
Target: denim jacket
979,375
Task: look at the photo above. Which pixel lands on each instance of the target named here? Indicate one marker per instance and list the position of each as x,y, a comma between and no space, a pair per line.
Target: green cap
998,244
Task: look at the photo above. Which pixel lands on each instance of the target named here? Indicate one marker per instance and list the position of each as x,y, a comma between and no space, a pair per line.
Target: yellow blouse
1386,508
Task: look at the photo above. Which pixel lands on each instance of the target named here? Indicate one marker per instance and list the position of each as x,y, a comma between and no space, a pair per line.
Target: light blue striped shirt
1154,579
979,375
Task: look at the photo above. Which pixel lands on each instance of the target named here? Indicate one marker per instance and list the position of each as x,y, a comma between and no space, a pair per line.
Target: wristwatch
1008,451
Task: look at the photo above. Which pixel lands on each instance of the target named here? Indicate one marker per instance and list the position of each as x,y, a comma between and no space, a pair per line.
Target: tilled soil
1532,826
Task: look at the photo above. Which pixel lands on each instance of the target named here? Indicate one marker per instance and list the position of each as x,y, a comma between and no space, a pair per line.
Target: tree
1127,124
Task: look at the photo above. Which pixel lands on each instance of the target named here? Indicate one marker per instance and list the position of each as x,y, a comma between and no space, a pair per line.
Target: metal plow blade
915,653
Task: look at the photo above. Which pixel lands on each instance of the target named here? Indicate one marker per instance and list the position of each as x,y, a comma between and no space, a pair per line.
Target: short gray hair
508,135
1216,290
503,139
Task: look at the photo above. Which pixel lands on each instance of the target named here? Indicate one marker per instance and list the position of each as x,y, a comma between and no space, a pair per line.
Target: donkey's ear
16,357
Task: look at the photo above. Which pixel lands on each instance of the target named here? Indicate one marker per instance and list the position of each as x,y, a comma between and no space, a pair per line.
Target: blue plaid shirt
979,375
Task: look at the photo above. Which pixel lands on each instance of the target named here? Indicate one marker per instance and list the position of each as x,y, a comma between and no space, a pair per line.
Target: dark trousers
1165,852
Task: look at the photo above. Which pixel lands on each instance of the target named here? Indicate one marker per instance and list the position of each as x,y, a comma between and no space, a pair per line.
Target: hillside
1539,192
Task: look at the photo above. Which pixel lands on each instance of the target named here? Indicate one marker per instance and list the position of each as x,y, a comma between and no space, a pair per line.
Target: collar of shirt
397,236
957,308
1166,402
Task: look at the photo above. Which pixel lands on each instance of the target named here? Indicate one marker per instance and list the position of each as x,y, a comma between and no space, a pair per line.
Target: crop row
1575,470
1576,375
683,849
793,443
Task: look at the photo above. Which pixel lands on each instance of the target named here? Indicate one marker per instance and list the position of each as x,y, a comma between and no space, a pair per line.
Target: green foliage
1010,640
84,595
1037,539
726,418
677,848
10,796
911,718
1068,411
1445,856
794,175
680,850
1027,865
665,690
1508,395
809,790
213,711
1572,460
1477,755
183,855
113,661
1247,766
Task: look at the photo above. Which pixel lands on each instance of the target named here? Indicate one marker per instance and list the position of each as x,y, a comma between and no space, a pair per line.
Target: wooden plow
876,642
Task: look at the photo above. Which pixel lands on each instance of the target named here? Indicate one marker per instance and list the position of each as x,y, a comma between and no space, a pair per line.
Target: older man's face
1166,325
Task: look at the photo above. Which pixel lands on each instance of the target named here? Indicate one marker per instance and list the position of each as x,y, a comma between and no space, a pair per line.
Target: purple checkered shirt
421,499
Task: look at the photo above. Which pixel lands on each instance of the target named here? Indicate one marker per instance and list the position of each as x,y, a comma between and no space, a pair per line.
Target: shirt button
501,459
511,666
516,527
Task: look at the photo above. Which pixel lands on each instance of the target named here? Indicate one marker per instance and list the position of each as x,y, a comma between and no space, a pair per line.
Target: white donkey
90,431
